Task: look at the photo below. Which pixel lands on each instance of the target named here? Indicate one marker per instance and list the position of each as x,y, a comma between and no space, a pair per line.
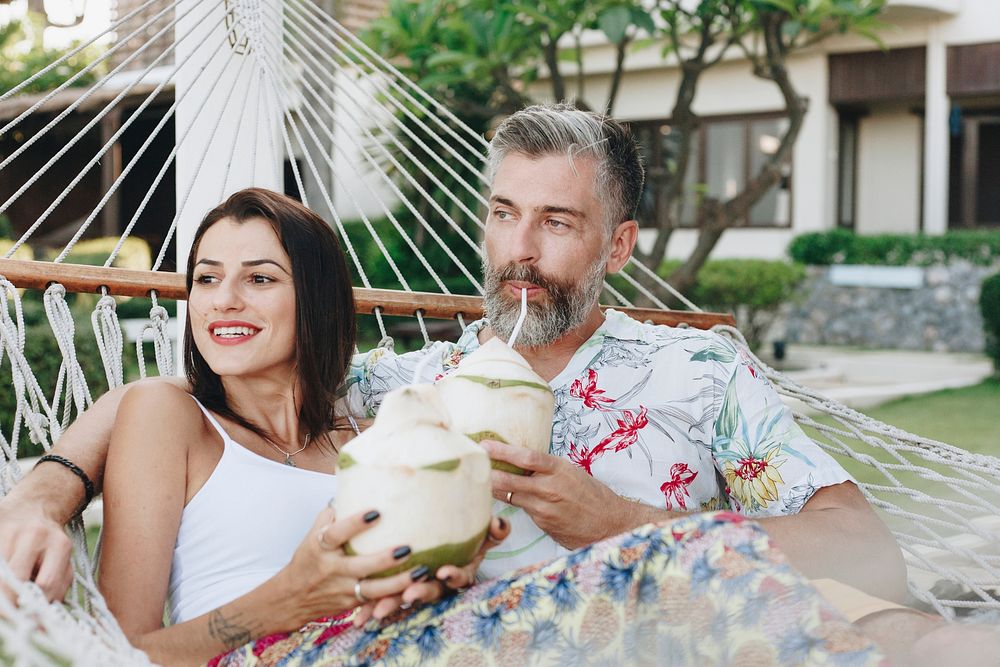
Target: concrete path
866,378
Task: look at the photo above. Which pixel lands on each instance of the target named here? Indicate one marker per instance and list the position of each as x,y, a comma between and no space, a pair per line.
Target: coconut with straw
495,395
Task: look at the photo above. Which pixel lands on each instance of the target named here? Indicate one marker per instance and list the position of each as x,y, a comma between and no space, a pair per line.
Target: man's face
546,233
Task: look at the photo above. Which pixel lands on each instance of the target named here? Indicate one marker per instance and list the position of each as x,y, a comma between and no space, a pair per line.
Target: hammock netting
189,101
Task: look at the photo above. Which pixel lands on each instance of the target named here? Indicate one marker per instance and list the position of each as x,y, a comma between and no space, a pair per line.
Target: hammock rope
354,134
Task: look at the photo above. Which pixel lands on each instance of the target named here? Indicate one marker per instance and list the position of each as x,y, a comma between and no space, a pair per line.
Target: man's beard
567,307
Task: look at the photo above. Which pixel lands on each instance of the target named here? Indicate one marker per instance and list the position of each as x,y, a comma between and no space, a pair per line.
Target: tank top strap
213,421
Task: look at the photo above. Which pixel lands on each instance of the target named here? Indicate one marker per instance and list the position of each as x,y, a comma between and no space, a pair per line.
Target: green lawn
968,418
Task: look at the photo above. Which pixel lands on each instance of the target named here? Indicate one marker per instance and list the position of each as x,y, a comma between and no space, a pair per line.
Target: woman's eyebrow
249,262
259,262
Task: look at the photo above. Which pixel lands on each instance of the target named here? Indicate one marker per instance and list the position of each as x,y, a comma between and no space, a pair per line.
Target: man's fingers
522,457
519,486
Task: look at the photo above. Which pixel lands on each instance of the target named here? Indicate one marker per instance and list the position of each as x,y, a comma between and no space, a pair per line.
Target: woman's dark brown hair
324,308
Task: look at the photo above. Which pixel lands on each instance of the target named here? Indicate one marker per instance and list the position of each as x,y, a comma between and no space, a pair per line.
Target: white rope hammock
240,88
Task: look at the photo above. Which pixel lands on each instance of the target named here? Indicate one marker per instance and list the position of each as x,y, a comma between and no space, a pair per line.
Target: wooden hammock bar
167,285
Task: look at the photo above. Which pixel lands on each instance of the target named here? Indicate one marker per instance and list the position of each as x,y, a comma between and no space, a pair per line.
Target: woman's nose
226,296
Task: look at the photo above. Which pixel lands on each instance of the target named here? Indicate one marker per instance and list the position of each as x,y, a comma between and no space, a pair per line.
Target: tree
480,56
37,7
23,54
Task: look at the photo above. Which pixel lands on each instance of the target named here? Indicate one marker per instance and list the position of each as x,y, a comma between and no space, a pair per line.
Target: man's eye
502,215
556,224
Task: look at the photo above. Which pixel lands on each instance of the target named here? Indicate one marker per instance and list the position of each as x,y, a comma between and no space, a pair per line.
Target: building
905,140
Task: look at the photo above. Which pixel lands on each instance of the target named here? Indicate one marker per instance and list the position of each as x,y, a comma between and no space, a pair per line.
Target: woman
206,500
217,507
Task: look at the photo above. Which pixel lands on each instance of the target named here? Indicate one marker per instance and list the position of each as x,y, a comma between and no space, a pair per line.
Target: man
651,422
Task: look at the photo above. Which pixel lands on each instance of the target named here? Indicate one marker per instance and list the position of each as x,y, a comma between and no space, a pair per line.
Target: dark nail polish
502,522
401,552
420,573
371,516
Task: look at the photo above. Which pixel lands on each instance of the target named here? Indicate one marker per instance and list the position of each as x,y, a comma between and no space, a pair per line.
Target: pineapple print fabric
703,590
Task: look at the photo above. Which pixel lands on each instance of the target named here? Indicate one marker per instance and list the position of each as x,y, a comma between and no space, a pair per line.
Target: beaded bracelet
88,486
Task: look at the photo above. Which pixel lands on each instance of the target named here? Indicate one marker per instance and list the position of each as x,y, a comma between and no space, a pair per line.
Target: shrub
134,253
840,246
752,289
42,353
989,305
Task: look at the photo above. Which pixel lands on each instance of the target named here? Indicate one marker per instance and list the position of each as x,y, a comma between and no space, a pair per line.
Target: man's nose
524,247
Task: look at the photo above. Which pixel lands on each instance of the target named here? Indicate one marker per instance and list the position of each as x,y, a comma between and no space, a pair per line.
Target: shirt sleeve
770,466
373,374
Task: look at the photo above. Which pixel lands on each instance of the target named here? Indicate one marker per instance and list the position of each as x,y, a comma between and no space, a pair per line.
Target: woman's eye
204,279
260,279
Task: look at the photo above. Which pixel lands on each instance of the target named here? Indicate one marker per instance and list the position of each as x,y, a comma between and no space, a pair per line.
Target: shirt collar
615,323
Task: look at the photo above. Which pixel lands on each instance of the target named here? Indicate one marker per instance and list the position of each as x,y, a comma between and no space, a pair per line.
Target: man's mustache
525,273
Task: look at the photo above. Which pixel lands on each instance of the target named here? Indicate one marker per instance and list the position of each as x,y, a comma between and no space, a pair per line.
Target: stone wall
940,314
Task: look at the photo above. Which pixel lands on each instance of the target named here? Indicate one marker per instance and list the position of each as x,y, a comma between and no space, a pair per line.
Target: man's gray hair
562,129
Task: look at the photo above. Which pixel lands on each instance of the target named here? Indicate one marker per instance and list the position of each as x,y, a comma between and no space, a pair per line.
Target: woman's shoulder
157,403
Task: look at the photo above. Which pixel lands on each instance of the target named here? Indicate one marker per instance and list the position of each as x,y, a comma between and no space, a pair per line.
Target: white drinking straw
520,318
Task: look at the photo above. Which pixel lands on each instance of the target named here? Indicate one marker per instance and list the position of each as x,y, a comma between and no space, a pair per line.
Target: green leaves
22,55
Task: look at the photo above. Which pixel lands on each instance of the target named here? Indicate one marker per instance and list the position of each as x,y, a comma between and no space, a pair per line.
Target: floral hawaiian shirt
680,419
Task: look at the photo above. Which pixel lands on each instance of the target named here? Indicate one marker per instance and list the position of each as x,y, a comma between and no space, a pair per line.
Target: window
725,154
847,170
974,199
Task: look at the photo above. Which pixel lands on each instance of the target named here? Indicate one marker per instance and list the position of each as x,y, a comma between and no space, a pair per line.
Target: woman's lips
232,333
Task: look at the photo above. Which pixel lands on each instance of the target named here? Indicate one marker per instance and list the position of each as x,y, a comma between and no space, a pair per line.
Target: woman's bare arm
144,497
32,515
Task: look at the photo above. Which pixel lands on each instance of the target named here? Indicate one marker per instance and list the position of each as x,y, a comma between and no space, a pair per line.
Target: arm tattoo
229,631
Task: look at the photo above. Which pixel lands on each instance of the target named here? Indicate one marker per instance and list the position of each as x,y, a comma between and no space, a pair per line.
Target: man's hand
571,506
448,579
37,549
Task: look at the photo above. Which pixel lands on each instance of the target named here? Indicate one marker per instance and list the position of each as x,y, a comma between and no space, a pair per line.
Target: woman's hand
448,579
322,580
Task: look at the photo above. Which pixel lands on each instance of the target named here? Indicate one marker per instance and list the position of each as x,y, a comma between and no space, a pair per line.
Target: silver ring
510,494
358,594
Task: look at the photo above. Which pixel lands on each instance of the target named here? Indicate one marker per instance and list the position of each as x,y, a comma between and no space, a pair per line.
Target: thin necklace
288,455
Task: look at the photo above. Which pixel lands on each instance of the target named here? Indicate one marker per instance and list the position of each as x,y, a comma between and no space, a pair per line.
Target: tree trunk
714,217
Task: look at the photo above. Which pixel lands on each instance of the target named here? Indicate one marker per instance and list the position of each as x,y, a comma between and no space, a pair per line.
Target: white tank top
241,527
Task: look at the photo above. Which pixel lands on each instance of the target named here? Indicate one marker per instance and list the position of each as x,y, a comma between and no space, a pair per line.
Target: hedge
751,289
841,246
989,305
43,356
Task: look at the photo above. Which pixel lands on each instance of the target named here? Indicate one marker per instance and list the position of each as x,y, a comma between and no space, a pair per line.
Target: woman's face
242,300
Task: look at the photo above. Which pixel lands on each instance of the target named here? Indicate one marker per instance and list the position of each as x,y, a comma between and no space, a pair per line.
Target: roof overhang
916,8
15,106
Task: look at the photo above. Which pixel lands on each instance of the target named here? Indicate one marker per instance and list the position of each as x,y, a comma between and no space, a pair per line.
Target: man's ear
622,242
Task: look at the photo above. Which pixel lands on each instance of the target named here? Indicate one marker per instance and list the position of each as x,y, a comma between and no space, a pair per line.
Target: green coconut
495,395
430,484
